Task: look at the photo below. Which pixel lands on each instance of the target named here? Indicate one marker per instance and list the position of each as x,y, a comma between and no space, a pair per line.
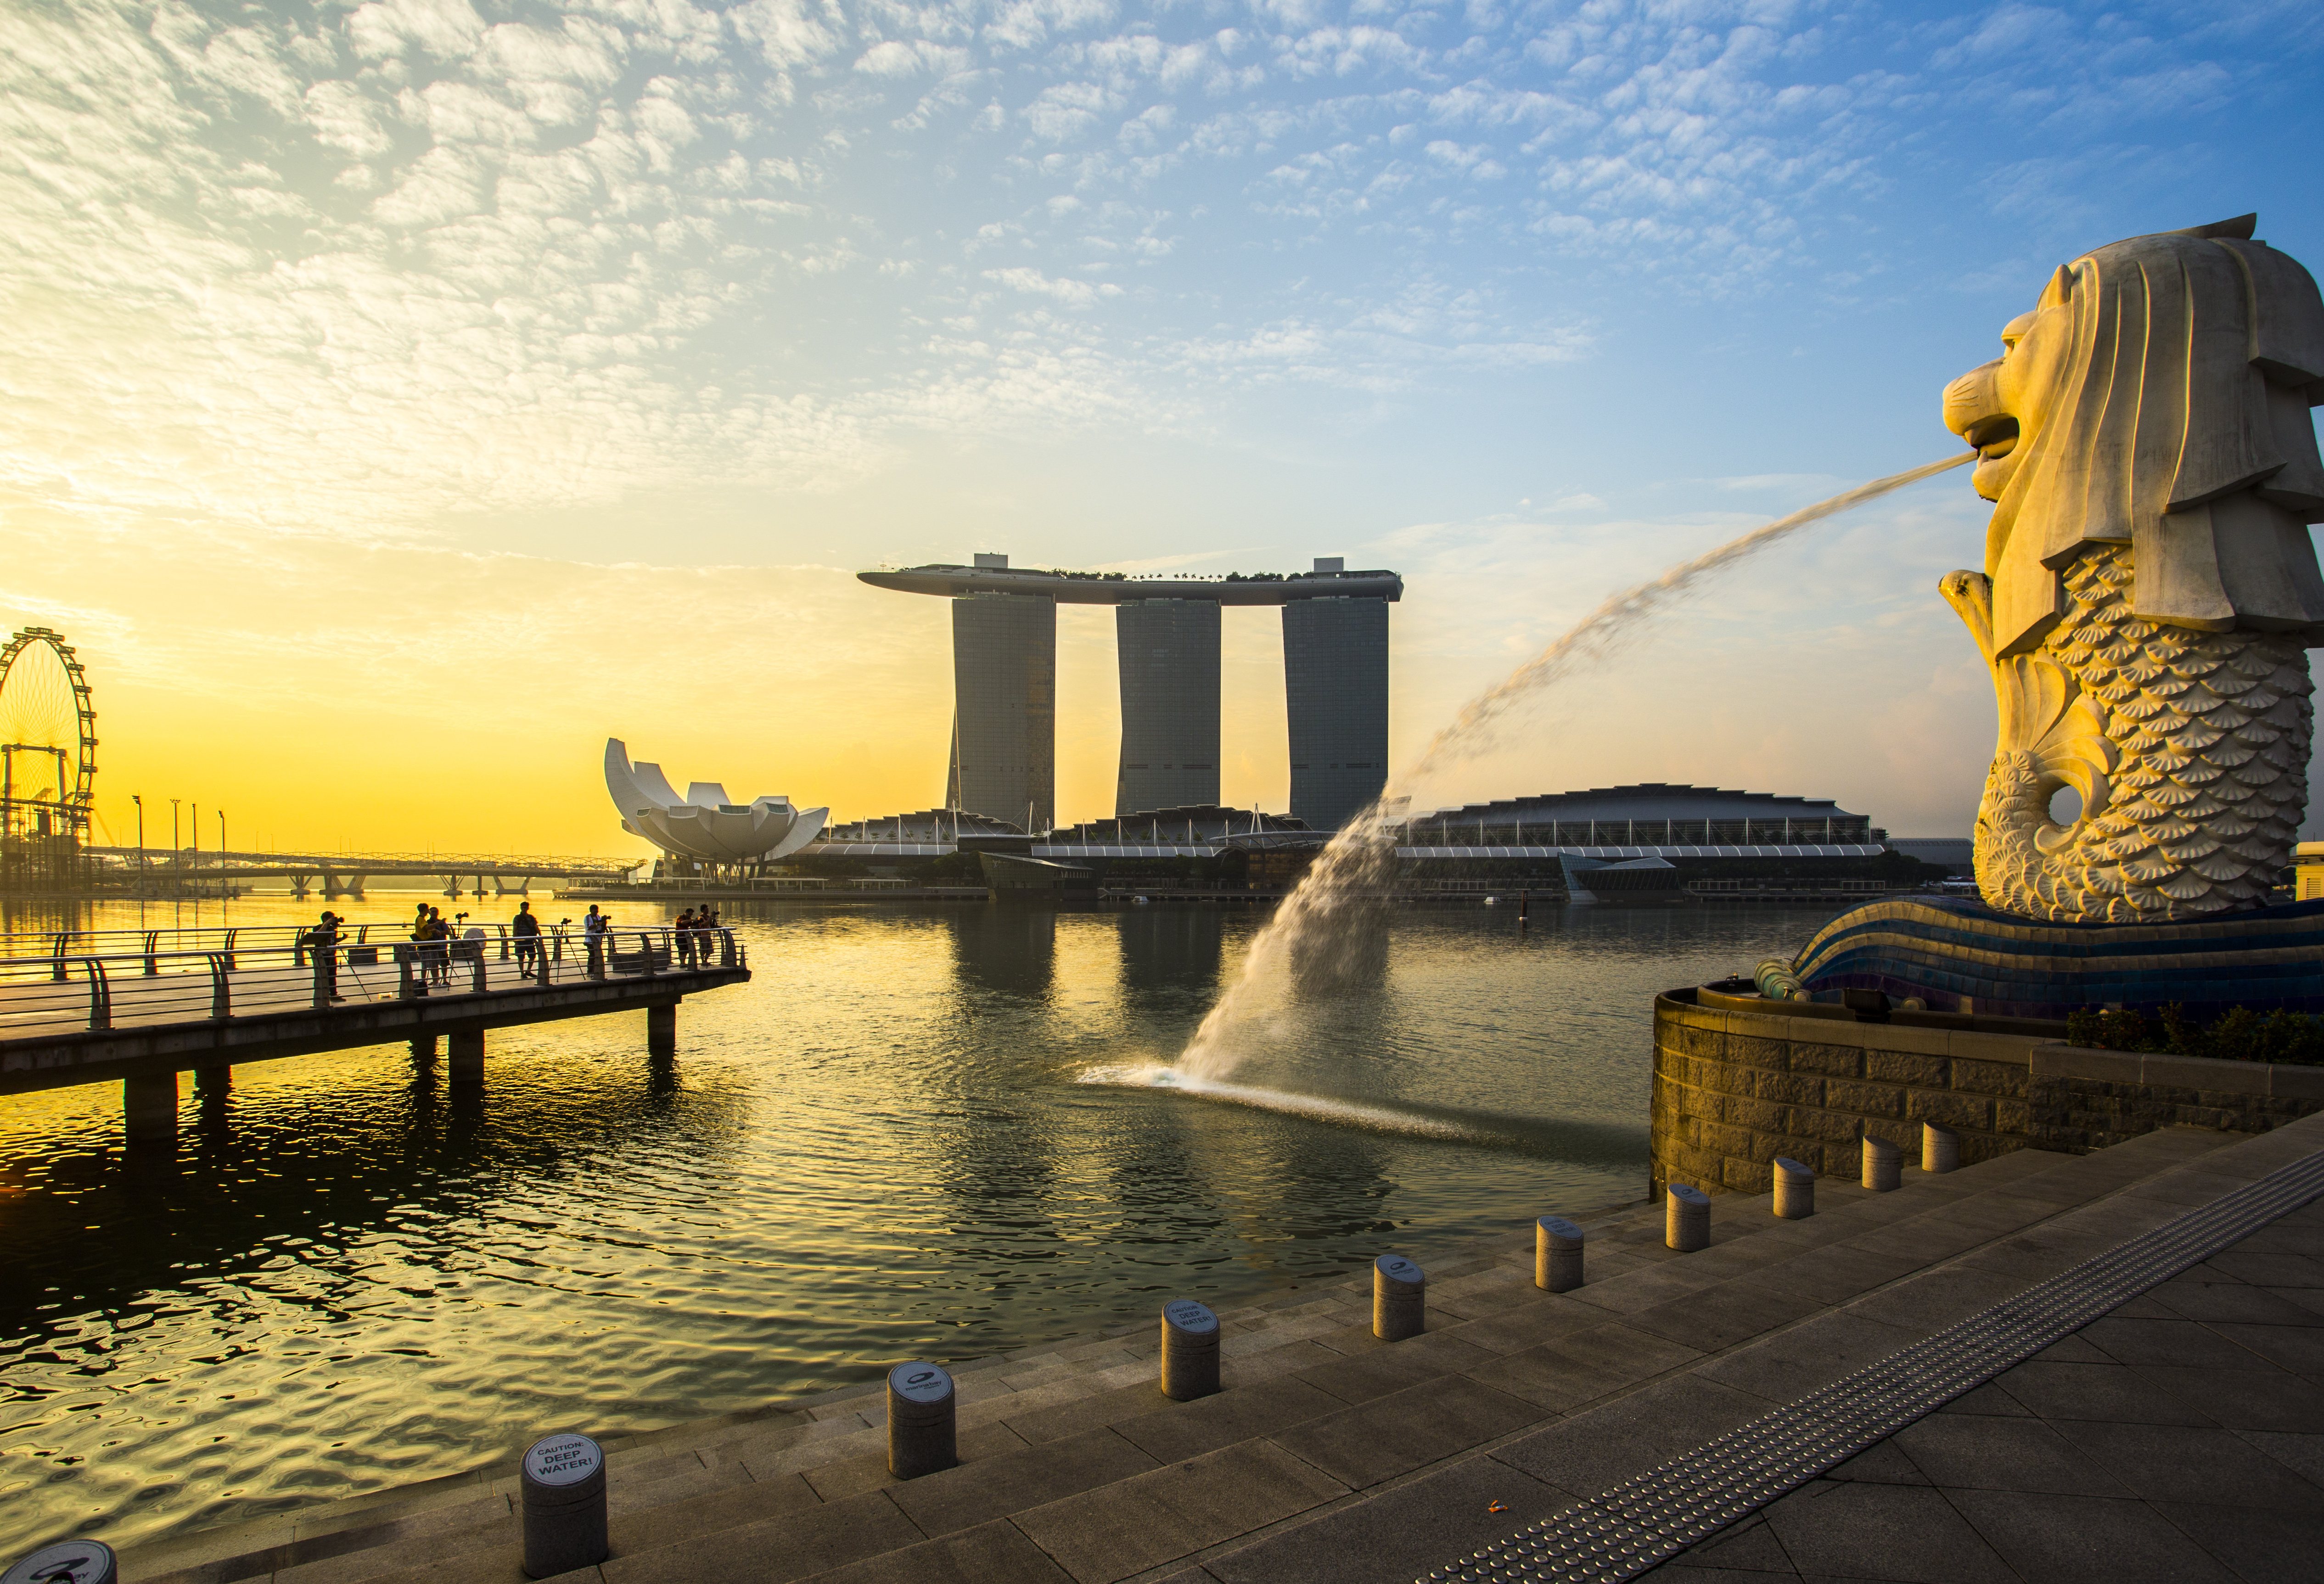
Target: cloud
896,57
445,30
1064,111
787,33
1031,281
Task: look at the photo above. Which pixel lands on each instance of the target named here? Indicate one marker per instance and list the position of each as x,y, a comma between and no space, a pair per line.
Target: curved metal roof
1648,800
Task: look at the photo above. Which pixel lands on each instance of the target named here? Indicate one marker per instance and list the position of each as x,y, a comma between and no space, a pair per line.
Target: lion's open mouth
1994,438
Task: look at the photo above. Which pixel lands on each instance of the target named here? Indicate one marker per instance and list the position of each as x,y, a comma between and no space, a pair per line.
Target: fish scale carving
2189,748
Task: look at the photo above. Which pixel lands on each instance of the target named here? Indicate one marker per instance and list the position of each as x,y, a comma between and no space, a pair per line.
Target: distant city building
1649,815
1003,757
1167,652
1335,697
705,827
1957,853
1004,723
1205,826
929,825
1199,831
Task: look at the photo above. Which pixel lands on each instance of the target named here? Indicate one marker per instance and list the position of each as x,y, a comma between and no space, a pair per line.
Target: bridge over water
344,874
139,1007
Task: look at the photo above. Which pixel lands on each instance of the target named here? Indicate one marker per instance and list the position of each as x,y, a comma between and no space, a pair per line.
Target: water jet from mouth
1335,897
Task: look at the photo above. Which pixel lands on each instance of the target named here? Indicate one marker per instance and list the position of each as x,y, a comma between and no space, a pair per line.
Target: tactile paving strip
1644,1521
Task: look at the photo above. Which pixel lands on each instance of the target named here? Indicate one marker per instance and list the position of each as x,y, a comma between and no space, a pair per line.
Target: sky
399,398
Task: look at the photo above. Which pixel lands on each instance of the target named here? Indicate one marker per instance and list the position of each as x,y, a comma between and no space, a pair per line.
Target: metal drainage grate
1644,1521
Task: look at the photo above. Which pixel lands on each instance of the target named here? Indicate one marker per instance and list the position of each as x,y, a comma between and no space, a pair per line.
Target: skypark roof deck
1094,588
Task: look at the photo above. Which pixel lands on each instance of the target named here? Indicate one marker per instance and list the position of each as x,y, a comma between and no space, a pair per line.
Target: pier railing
271,970
57,945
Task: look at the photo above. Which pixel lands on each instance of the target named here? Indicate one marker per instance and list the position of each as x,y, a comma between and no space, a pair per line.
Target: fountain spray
1358,866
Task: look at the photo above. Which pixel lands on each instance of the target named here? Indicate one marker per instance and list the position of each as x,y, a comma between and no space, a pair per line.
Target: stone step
1075,1465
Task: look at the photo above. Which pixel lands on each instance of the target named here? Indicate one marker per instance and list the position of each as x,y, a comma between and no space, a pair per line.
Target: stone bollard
1881,1163
564,1485
1686,1218
1940,1149
1399,1298
1556,1254
69,1561
1795,1190
921,1437
1190,1350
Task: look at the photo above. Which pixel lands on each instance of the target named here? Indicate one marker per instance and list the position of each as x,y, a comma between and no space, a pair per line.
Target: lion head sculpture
2156,396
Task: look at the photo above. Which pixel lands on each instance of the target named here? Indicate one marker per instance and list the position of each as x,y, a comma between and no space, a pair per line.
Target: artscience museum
704,828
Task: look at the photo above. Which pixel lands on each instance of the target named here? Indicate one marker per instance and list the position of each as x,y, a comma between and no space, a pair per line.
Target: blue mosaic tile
1944,949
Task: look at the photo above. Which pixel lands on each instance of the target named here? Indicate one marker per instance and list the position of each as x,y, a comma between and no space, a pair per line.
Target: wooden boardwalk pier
96,1010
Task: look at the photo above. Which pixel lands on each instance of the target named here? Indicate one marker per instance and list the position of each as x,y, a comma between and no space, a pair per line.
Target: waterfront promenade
2181,1436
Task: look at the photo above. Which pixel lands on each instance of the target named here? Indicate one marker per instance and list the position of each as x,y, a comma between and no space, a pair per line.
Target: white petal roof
704,824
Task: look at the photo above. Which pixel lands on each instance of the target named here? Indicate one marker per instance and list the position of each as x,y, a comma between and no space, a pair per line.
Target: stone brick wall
1734,1089
2087,1099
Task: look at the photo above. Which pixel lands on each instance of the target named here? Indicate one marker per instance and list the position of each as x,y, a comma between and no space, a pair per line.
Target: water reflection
351,1274
1006,950
261,1169
1167,952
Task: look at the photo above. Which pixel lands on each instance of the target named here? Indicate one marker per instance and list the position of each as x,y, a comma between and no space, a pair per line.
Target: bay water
899,1140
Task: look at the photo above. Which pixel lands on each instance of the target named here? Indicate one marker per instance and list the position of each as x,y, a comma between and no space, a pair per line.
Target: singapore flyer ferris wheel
48,742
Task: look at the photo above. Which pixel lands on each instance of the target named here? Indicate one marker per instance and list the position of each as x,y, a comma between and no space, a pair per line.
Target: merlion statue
2150,589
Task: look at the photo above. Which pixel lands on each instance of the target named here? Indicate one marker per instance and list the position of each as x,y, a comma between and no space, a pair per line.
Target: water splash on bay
1301,942
1562,1139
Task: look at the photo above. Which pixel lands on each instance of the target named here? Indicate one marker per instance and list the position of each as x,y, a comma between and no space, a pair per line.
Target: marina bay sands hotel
1004,667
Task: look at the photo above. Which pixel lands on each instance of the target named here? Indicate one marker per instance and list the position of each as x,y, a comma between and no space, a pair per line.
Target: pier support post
423,1047
468,1055
564,1483
1556,1254
1940,1149
1686,1218
1795,1190
1399,1298
213,1081
149,1108
921,1434
661,1030
1882,1162
1190,1350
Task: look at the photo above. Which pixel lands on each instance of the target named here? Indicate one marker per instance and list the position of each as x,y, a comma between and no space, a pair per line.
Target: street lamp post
140,802
177,854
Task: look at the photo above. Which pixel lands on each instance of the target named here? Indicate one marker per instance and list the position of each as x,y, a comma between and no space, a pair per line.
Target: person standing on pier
526,930
593,935
684,932
434,936
323,940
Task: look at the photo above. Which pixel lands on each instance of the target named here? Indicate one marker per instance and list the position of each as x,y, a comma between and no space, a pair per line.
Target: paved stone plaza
2180,1437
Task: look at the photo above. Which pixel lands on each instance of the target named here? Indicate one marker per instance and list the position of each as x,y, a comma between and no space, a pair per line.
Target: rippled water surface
908,1136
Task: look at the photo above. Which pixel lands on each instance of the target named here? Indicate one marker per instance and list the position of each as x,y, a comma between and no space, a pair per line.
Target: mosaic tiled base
1961,956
